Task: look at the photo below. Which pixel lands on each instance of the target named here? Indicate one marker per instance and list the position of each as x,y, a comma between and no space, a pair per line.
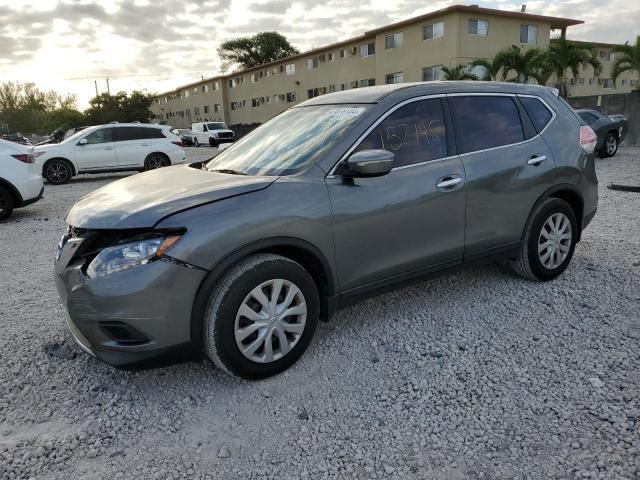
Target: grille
225,135
75,232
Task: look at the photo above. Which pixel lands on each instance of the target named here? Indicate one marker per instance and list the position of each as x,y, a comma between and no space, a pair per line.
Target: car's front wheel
610,146
6,203
212,142
57,171
261,317
549,241
195,142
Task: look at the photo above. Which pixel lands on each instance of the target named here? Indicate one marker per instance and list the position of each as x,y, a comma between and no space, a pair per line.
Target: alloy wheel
611,145
554,241
57,172
270,321
154,162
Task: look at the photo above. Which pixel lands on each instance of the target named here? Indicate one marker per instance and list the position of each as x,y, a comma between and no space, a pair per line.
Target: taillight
178,143
24,157
588,139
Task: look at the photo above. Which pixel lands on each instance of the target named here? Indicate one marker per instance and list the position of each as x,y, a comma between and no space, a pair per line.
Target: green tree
566,56
628,61
247,52
491,68
120,107
459,72
524,65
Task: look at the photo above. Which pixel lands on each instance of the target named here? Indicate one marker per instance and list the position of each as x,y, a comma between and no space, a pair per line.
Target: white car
212,133
20,180
110,148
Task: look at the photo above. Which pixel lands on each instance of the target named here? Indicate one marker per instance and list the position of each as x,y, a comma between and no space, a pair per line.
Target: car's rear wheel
610,146
549,241
155,161
195,142
57,171
6,203
261,317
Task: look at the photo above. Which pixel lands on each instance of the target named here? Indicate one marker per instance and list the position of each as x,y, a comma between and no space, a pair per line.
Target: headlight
128,255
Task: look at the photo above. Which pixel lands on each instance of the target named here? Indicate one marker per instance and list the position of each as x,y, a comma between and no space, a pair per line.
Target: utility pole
108,91
95,82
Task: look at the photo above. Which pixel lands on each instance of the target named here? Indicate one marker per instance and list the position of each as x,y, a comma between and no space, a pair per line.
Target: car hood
142,200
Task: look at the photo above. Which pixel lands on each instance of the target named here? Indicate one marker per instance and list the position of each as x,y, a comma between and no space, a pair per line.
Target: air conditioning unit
354,50
321,57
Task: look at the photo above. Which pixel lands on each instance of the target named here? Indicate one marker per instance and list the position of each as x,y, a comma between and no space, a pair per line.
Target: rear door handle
108,148
144,144
448,182
537,160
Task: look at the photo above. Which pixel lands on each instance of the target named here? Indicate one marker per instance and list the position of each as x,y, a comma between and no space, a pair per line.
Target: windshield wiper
229,171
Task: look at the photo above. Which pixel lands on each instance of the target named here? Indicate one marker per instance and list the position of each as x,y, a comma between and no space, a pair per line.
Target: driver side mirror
370,163
83,141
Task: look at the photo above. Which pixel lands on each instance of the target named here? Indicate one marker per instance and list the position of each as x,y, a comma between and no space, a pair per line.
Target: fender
13,190
550,193
274,244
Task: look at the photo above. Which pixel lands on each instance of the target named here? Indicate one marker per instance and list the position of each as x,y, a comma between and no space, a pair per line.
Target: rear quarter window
537,111
483,122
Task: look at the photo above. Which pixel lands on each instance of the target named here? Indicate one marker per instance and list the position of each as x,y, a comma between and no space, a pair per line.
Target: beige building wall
256,95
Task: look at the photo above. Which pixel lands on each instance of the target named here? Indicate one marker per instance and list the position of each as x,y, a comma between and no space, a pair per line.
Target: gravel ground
478,374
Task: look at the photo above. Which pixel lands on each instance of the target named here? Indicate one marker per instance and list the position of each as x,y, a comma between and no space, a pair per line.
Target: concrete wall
627,104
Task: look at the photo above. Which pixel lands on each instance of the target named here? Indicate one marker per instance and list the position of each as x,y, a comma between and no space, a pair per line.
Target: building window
611,57
434,30
313,92
291,97
432,73
397,77
290,69
478,27
529,34
254,78
393,41
332,88
367,49
206,109
196,110
607,83
255,102
368,82
332,57
205,88
591,81
186,94
343,53
312,63
188,112
195,91
580,81
343,86
623,82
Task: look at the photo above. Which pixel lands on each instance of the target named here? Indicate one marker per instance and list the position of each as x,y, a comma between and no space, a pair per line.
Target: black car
185,135
610,129
16,139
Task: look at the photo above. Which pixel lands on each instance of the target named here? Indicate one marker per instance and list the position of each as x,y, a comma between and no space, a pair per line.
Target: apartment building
412,50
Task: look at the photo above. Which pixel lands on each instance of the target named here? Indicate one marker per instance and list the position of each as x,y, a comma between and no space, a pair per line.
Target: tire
531,262
212,142
610,146
6,203
155,161
57,171
195,142
223,318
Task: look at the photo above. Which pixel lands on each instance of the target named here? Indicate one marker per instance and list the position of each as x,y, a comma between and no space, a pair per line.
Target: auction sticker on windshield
345,111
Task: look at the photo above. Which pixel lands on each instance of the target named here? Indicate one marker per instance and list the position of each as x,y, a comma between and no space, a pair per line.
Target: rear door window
589,118
415,133
130,133
537,111
483,122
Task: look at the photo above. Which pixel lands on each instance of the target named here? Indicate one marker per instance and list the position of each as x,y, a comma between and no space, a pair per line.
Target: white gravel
477,374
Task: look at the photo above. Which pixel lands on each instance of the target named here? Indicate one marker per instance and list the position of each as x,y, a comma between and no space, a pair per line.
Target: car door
98,152
508,166
409,220
132,146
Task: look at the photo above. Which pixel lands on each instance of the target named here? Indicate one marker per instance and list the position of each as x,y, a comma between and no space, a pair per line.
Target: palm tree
491,68
525,64
629,61
564,55
459,72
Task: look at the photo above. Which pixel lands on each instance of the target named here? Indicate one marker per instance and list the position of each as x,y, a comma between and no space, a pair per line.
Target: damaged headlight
128,255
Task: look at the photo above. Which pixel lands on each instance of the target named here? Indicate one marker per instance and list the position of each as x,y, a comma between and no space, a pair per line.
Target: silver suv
337,198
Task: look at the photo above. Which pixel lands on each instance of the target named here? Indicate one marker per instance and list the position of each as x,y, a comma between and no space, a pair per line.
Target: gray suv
340,197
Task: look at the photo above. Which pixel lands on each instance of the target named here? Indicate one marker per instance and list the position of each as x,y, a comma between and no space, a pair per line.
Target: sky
155,46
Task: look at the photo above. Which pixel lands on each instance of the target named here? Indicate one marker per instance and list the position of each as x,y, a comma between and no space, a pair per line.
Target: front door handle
108,148
144,144
537,160
448,182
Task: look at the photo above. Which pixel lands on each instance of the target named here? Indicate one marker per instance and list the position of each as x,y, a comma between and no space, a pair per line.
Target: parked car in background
185,134
336,198
211,133
20,180
15,138
110,148
610,129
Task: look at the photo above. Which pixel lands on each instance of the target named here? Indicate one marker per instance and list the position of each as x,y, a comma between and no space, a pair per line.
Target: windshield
289,142
217,126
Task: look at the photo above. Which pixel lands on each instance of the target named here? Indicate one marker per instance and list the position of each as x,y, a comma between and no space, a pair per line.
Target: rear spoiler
555,91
